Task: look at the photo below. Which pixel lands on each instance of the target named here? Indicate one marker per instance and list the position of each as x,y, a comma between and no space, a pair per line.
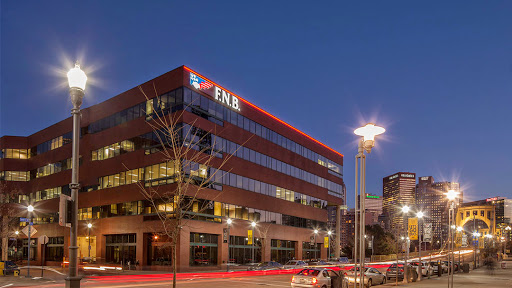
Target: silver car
319,278
295,264
372,276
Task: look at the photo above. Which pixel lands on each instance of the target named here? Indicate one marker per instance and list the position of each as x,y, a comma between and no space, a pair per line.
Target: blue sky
436,74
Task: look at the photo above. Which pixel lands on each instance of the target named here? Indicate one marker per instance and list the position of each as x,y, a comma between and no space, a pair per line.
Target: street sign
249,237
24,219
225,235
427,232
326,242
464,240
42,239
32,231
413,228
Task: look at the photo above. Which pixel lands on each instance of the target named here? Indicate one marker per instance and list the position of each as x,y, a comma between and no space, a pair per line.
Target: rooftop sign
373,196
221,95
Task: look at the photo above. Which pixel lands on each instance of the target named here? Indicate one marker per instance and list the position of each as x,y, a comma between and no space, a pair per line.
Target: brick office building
281,178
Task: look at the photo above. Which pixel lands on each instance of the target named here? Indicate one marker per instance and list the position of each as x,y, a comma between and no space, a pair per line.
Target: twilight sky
436,74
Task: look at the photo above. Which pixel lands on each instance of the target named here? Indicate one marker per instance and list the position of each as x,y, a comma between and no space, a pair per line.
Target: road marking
6,285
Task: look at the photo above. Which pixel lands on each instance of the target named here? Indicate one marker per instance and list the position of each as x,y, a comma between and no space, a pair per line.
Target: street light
253,225
77,80
30,209
405,211
316,254
420,215
89,226
329,233
228,221
366,143
451,195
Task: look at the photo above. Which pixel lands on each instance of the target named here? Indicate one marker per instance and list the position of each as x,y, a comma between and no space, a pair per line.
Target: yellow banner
413,228
326,242
249,237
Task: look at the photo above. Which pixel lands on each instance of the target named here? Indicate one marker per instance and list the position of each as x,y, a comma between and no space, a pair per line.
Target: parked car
318,263
395,271
10,267
371,276
270,265
426,269
338,261
318,277
295,264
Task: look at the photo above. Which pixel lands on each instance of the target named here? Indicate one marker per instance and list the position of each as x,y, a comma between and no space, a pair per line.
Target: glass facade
282,250
52,144
15,153
55,249
241,252
120,248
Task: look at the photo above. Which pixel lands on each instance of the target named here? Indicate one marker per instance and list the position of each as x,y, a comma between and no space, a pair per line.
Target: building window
15,175
121,248
241,252
282,250
55,249
15,153
203,249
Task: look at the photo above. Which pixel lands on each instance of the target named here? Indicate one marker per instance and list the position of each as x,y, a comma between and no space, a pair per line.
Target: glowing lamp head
451,195
17,232
369,131
453,226
488,236
229,221
30,208
156,237
459,229
329,233
77,77
420,214
508,228
316,231
253,224
405,209
402,237
89,225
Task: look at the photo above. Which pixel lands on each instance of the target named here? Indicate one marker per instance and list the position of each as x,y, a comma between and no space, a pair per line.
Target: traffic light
65,210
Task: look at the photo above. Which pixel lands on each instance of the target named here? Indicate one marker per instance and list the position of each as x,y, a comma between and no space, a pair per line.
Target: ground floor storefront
142,245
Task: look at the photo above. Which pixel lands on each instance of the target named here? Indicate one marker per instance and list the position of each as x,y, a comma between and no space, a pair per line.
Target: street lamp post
316,253
89,237
420,217
367,142
451,195
459,229
253,225
30,209
329,233
77,80
405,211
16,245
229,221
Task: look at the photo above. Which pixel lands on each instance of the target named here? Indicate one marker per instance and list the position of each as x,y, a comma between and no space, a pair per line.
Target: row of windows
47,194
52,144
274,164
203,207
162,173
117,118
53,168
217,113
113,150
475,212
14,175
15,153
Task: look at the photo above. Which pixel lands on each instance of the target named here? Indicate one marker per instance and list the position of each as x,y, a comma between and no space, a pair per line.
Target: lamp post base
73,282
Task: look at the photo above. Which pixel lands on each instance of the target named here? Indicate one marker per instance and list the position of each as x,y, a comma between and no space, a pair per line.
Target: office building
278,176
399,189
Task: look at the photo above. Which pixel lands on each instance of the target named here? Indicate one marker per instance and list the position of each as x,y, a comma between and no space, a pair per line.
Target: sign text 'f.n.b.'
219,94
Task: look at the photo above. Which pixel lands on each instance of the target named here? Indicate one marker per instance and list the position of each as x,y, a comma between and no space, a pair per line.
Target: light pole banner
326,242
249,237
413,228
427,232
464,240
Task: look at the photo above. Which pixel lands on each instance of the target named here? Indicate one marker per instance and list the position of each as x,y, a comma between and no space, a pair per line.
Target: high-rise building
373,206
398,190
431,200
348,226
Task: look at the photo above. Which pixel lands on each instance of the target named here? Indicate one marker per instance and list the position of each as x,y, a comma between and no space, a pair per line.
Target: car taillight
388,270
314,281
345,272
401,270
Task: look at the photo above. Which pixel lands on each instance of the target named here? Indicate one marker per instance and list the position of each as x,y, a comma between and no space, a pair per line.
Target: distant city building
372,205
399,189
348,228
431,199
502,209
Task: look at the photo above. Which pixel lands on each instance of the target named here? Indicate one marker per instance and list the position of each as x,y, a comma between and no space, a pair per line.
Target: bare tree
190,155
263,228
8,210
